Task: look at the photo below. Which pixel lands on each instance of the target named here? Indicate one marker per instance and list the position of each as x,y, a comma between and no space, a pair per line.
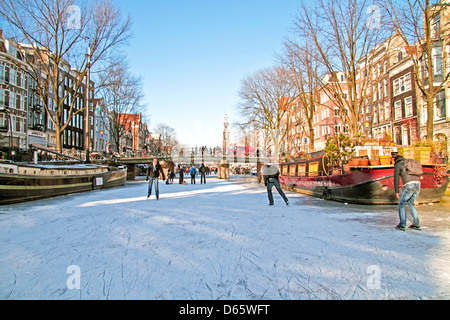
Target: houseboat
360,184
24,182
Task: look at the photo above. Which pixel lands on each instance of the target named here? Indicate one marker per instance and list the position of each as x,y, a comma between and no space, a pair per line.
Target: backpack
413,167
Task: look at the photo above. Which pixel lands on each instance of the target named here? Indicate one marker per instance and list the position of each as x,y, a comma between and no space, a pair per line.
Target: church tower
226,136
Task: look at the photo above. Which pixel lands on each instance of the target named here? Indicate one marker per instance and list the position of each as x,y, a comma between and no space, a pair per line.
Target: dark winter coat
202,169
268,172
399,171
155,171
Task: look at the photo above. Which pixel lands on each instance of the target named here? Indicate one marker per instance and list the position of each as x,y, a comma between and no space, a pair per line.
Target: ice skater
410,191
270,175
153,172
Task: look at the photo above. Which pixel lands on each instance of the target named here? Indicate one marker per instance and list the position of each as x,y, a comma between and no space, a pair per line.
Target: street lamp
86,112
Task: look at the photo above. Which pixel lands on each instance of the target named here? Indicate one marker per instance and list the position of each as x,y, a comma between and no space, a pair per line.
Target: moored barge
358,184
25,182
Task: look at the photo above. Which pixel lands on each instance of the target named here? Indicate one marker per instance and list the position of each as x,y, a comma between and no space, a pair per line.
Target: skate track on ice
217,241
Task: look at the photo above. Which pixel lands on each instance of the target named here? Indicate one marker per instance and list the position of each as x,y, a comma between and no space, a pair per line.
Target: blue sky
193,55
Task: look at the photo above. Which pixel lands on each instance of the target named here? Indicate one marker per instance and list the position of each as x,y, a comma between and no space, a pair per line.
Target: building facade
14,82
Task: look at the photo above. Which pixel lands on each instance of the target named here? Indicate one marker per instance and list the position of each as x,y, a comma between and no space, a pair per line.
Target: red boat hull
366,185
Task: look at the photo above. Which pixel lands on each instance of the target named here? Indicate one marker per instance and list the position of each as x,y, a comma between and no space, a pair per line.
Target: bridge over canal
171,162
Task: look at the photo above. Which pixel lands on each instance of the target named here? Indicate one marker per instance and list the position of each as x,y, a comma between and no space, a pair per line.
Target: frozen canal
218,241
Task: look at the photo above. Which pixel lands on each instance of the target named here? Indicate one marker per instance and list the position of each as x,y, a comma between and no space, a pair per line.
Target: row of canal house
24,120
394,107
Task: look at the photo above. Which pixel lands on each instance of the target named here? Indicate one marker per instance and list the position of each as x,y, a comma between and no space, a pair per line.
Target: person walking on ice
193,172
203,171
153,172
410,173
270,175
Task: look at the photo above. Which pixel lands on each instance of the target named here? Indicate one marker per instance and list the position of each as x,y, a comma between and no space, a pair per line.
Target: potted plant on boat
375,161
337,150
364,161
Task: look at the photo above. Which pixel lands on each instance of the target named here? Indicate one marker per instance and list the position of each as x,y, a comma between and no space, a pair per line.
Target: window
396,86
3,74
3,98
437,60
439,106
12,50
380,90
408,107
12,99
398,110
402,84
18,124
375,114
436,26
301,170
407,82
3,121
19,101
19,79
404,133
292,172
387,111
313,169
380,112
337,128
386,87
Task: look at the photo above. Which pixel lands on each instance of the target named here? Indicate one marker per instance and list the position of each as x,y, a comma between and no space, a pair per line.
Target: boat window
292,170
301,170
285,170
313,169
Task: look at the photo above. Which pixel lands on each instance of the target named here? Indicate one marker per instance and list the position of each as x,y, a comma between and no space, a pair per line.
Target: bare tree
338,31
56,35
304,65
422,27
168,136
266,96
122,94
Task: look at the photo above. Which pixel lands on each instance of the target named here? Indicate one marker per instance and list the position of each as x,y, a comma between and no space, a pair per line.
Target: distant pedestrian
409,193
181,169
193,172
154,171
203,170
170,176
270,175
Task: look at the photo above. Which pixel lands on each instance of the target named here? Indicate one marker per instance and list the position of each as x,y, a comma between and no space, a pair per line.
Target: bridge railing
190,159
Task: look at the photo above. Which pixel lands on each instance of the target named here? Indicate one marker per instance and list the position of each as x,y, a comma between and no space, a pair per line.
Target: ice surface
215,241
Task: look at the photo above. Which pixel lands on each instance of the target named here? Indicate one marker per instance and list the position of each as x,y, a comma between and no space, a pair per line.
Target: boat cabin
313,167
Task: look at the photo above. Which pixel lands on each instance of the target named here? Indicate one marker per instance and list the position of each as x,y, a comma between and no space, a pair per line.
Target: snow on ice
215,241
